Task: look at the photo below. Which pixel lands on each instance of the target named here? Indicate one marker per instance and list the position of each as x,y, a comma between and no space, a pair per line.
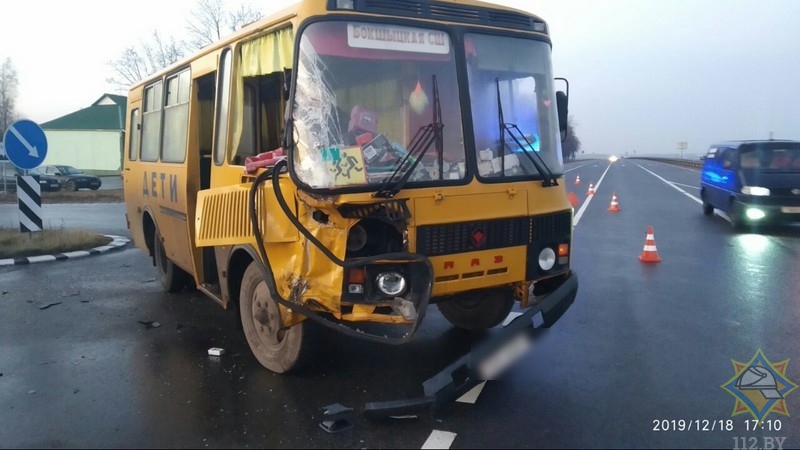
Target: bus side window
262,116
247,140
135,131
151,122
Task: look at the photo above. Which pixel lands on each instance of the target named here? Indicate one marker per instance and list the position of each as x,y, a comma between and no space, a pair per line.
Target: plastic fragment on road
334,422
149,324
216,351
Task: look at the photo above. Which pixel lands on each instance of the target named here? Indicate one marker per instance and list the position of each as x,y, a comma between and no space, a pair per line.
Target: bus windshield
510,86
364,91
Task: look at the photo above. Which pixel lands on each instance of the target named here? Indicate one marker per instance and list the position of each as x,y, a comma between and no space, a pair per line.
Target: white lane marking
585,204
716,211
472,396
687,185
570,170
670,183
510,318
440,439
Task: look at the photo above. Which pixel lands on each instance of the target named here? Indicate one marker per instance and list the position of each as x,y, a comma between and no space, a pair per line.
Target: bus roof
312,7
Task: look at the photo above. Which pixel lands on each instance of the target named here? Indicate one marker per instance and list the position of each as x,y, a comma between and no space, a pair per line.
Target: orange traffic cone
573,200
614,204
578,180
591,189
649,254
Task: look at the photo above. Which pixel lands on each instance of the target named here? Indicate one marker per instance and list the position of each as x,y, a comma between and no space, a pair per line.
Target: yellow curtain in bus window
346,165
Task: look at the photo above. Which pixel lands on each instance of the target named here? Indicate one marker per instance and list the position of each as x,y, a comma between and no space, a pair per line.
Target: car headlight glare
755,190
391,283
547,258
755,214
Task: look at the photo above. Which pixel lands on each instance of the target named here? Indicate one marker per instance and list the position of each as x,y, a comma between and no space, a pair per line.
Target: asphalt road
641,343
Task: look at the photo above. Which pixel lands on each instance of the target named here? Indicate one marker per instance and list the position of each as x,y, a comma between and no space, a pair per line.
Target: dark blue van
753,181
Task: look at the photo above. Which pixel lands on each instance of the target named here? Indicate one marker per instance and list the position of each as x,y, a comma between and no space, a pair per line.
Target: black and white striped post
26,146
29,200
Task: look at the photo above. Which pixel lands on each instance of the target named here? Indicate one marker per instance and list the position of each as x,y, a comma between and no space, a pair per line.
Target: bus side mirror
561,104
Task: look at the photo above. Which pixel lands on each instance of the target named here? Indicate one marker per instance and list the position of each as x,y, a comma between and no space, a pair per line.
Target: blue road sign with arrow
26,144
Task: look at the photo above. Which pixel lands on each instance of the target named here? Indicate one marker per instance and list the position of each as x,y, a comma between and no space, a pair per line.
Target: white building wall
97,151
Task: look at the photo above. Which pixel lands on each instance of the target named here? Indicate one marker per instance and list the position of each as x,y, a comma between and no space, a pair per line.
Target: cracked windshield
364,91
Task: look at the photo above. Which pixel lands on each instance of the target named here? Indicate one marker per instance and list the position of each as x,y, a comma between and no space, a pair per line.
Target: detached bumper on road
462,375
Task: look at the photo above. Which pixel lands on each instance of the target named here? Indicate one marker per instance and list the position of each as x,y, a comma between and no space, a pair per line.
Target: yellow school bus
348,163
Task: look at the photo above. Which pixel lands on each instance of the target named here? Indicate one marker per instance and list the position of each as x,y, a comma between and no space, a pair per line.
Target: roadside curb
117,242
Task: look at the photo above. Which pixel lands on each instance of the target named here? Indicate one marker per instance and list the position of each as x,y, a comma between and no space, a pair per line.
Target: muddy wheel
276,348
478,310
172,277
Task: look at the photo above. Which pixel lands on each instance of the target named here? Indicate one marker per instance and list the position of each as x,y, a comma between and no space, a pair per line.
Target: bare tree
572,145
8,94
137,62
209,21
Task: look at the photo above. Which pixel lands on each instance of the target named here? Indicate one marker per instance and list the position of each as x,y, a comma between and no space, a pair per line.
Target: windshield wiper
548,179
426,136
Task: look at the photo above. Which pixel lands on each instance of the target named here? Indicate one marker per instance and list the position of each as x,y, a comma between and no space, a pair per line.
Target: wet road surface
641,343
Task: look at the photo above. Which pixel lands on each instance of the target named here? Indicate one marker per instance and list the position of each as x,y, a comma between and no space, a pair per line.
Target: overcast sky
644,75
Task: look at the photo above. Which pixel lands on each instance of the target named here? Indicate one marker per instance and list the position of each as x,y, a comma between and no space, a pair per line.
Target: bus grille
448,239
445,11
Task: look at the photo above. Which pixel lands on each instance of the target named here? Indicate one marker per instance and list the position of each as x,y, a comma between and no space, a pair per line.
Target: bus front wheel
478,310
172,277
277,348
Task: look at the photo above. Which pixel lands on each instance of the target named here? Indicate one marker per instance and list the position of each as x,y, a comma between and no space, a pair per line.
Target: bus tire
478,310
279,350
172,277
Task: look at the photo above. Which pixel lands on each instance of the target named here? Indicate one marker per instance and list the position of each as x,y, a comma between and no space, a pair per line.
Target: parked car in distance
72,179
752,181
46,182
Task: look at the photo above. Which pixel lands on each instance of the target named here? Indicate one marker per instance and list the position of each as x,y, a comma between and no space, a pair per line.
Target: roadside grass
14,244
82,196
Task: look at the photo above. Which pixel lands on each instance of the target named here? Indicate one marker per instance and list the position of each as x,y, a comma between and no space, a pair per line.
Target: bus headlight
391,283
547,258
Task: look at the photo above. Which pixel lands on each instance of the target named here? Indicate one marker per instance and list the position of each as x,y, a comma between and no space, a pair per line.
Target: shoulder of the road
117,242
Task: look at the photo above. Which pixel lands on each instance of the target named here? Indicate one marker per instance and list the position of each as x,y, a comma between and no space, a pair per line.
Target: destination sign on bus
391,37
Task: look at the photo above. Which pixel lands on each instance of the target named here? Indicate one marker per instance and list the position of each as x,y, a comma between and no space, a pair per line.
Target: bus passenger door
200,151
130,176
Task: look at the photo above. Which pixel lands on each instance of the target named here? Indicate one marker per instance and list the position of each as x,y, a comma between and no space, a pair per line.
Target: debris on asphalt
336,426
216,351
47,305
76,391
4,293
150,280
149,324
85,301
335,422
74,294
336,409
409,416
31,392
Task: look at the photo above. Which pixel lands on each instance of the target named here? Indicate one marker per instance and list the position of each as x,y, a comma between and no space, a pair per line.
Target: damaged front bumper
465,373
